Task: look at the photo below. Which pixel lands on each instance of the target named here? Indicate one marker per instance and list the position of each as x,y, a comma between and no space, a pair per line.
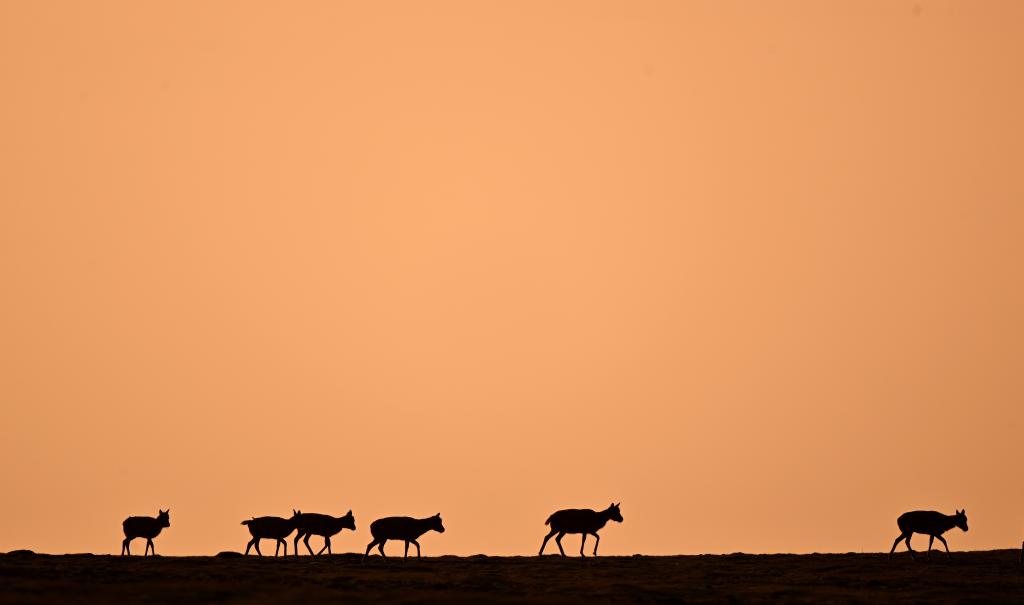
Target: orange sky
751,268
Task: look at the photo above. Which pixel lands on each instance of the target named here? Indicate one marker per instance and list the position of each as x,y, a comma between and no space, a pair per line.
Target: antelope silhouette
315,524
144,527
579,521
928,522
270,528
401,528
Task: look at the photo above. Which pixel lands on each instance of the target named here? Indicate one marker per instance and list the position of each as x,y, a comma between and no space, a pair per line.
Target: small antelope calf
270,528
928,522
144,527
315,524
401,528
579,521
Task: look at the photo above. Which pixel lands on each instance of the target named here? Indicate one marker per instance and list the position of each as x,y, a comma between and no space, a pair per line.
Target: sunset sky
753,269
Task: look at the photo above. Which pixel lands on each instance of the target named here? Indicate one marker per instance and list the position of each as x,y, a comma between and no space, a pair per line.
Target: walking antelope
144,527
928,522
270,528
315,524
579,521
401,528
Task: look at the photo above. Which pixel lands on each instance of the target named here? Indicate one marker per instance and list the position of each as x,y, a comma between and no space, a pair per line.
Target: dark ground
968,577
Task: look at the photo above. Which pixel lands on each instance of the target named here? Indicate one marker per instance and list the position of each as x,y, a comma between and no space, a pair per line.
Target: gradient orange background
752,268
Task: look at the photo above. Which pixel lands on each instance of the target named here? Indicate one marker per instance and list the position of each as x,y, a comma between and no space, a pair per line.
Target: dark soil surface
966,577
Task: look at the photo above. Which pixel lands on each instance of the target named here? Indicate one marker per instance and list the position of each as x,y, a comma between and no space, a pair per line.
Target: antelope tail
548,522
246,522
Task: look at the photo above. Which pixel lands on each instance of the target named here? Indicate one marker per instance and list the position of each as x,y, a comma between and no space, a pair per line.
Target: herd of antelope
407,529
583,521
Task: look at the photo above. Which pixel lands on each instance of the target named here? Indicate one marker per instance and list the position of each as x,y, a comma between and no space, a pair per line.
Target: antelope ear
349,513
438,515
